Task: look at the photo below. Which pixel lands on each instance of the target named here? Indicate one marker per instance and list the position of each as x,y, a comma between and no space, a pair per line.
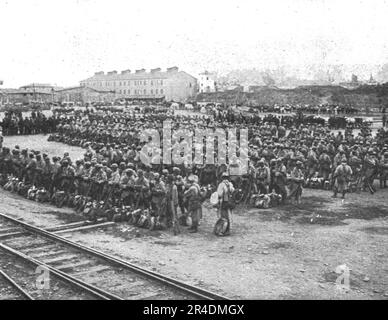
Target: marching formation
112,181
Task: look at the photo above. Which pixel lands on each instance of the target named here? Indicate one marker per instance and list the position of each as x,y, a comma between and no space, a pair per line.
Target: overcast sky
63,42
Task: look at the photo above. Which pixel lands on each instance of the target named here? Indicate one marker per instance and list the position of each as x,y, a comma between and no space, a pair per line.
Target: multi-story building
172,84
207,82
24,96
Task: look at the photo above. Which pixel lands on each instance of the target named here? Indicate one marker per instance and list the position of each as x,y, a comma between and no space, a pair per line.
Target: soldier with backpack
193,196
342,175
225,206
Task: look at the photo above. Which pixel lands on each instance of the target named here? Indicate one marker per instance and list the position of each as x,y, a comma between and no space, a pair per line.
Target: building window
152,91
145,82
161,82
157,91
145,91
190,85
152,83
129,91
161,91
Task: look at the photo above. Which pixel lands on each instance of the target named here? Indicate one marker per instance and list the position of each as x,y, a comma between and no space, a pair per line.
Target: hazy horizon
64,42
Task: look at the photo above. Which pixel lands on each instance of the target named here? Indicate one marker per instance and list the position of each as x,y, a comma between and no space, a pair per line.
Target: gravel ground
279,253
25,276
288,252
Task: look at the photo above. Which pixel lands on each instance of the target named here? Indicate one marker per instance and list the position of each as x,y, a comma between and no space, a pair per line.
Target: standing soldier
66,176
98,181
192,194
142,190
31,167
324,165
55,175
281,179
384,170
180,183
47,173
172,202
158,193
114,181
297,178
263,177
16,163
85,182
342,176
39,170
79,171
312,162
225,193
370,169
126,185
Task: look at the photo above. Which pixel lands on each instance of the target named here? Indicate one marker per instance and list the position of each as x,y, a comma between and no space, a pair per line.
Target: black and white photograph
193,155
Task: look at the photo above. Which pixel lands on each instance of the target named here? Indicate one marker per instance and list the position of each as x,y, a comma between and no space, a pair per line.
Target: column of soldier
14,123
111,181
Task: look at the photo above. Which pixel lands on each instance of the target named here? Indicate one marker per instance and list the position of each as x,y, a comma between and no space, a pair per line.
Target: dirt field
288,252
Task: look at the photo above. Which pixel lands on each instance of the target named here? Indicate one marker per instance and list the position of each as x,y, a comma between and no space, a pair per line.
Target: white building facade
207,82
172,84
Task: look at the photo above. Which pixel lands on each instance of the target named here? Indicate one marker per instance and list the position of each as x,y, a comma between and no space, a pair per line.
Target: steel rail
15,285
92,226
61,229
97,292
181,286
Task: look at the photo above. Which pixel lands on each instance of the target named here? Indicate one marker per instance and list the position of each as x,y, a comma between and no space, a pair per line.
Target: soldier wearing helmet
98,180
384,170
142,190
225,191
172,202
296,183
193,197
370,170
66,176
158,193
280,179
263,177
342,176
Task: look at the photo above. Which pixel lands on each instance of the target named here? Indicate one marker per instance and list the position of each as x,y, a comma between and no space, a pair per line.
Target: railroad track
11,289
15,231
20,282
103,274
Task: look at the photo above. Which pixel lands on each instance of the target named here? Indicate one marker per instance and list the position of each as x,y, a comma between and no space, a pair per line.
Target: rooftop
138,74
42,85
84,88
